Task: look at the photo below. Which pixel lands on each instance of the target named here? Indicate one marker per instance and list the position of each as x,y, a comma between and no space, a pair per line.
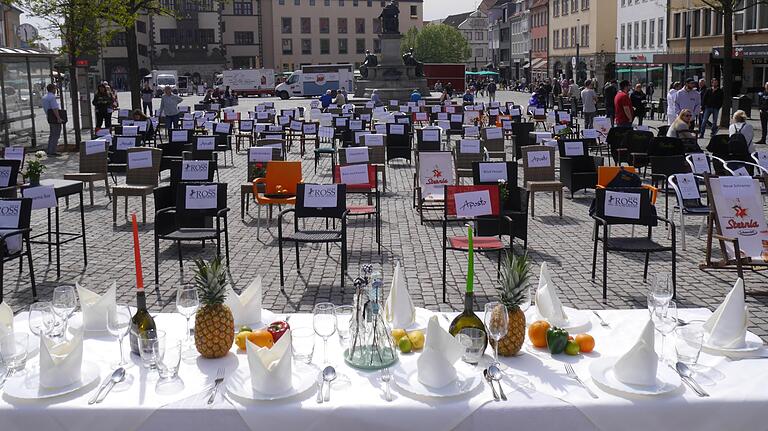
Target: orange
537,333
261,338
586,342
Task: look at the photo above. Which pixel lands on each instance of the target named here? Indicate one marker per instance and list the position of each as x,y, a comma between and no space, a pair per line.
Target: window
676,25
574,6
167,36
341,3
118,39
479,52
297,2
696,23
629,36
644,27
287,25
311,2
573,36
306,46
287,47
243,62
377,46
718,23
623,34
325,25
360,46
281,2
360,25
342,26
468,35
326,2
355,3
652,33
564,38
414,11
370,3
637,35
202,6
555,9
376,26
763,16
141,26
242,7
556,38
206,35
585,35
479,35
750,15
306,25
243,38
660,40
707,30
343,46
142,49
168,4
325,46
584,4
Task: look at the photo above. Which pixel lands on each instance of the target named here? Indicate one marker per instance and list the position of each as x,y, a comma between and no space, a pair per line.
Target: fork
216,383
572,375
602,322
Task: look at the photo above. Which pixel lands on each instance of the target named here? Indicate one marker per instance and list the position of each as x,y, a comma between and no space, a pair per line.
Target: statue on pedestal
410,60
370,61
390,20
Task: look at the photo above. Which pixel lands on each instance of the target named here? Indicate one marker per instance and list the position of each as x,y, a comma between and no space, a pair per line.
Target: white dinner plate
754,343
303,378
667,380
577,319
421,321
407,378
27,386
267,317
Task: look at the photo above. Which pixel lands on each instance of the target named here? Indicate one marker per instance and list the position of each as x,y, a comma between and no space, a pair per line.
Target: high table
552,402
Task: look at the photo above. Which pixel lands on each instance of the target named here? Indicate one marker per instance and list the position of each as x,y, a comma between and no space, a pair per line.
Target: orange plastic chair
606,174
279,186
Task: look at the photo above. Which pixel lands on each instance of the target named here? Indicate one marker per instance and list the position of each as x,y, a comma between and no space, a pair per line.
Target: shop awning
638,69
482,72
539,63
690,67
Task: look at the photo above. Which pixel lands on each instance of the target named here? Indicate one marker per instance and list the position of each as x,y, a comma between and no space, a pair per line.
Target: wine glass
497,324
40,318
324,323
64,304
118,324
661,288
665,320
187,303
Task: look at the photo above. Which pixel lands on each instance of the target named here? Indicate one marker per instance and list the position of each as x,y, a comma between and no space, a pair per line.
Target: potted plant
35,168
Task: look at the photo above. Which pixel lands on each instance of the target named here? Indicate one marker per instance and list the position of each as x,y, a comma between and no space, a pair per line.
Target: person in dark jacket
638,103
762,103
102,101
609,94
711,102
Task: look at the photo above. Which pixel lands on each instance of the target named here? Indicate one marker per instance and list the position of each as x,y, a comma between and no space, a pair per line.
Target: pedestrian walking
589,104
638,103
51,108
146,99
169,107
762,103
102,102
711,104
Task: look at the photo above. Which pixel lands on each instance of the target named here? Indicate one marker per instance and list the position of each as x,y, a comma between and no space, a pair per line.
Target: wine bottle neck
468,302
141,300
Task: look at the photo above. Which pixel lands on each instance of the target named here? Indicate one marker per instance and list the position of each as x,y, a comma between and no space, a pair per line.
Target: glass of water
343,322
168,359
151,346
13,352
303,344
688,341
473,340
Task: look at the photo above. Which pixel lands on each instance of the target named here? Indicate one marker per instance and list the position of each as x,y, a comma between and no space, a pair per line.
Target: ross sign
374,140
42,196
179,135
473,204
202,197
206,143
539,159
9,214
320,195
94,147
15,153
139,159
5,176
574,148
469,146
493,172
194,170
354,174
356,155
622,205
260,154
430,135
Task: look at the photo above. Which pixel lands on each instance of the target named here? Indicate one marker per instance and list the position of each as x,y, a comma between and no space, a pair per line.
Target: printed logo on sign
742,221
622,205
5,176
194,170
437,177
9,214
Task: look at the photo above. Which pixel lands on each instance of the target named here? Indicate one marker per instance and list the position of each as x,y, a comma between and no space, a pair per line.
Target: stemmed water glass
497,324
665,321
661,288
41,318
324,323
187,303
64,304
118,324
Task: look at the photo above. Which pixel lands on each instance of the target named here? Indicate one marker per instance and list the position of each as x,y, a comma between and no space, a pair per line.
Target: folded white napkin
96,308
547,302
399,308
638,365
6,319
60,362
727,326
271,368
441,351
246,307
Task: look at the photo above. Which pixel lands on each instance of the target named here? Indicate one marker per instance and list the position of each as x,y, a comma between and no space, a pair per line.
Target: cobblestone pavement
565,243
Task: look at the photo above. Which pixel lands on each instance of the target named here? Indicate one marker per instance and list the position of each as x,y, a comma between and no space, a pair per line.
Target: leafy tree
438,43
728,8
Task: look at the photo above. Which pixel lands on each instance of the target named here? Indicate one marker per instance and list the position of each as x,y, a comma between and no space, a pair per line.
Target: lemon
417,339
405,345
397,334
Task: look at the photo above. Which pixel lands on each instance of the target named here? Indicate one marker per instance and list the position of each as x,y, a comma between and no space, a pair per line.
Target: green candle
471,265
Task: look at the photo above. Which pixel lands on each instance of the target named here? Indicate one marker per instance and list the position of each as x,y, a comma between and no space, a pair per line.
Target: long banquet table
552,402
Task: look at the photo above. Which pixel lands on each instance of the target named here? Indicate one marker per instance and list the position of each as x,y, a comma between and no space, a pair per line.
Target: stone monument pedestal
393,79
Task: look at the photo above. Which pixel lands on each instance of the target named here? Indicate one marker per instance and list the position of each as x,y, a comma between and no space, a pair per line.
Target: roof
29,52
456,20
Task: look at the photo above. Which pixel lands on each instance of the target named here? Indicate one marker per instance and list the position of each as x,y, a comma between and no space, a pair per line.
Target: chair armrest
222,211
13,232
165,210
284,212
599,220
724,238
259,181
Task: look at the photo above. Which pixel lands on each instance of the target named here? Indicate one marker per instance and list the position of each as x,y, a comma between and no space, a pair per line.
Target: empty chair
142,171
539,175
689,203
280,184
398,142
578,170
493,141
434,170
14,238
465,153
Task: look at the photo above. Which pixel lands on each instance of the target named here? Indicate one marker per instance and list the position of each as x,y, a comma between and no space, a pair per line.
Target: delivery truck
315,80
249,82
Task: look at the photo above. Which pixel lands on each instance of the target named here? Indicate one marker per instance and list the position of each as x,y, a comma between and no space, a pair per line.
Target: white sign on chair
320,195
356,154
194,170
42,196
492,172
473,204
622,205
140,160
202,197
539,159
259,154
206,143
574,148
15,153
354,174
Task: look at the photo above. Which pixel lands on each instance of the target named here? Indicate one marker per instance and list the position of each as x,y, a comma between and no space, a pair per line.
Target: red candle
137,254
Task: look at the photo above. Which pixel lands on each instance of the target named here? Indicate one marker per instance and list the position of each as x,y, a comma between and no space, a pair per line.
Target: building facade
499,39
585,29
10,17
539,28
519,39
474,27
641,31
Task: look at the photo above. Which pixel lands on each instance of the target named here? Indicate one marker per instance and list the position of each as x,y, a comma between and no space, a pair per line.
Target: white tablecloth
737,402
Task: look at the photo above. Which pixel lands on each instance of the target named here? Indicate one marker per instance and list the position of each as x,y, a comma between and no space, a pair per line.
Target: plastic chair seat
361,209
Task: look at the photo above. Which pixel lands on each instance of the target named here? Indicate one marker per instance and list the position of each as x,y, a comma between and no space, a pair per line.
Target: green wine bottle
468,319
141,322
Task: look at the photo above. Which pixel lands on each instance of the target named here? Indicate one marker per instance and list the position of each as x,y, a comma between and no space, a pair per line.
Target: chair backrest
668,165
429,139
489,173
274,143
398,135
14,152
630,205
377,150
196,199
435,170
704,163
180,136
686,190
761,158
321,200
739,168
665,146
467,152
538,163
93,157
172,149
738,209
637,141
573,147
282,177
9,172
16,214
470,202
359,177
718,146
493,139
192,170
143,166
615,140
245,126
309,129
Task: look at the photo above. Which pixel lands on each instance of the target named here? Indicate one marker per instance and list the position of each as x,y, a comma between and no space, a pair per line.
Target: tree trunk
727,81
75,97
133,66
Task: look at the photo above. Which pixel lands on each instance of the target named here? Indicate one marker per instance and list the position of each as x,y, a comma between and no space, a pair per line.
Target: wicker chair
93,167
464,159
541,178
138,182
377,154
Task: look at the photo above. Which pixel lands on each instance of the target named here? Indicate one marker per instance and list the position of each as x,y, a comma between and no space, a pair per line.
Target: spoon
490,382
687,375
495,374
329,375
117,376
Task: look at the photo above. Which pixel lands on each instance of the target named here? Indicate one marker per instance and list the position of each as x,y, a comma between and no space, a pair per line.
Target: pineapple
514,290
214,325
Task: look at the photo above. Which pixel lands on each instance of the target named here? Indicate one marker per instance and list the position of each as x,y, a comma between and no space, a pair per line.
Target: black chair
615,141
689,205
192,170
578,170
369,189
224,142
515,206
196,215
14,240
172,151
325,236
637,143
662,132
433,141
9,177
398,142
520,134
639,198
117,158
